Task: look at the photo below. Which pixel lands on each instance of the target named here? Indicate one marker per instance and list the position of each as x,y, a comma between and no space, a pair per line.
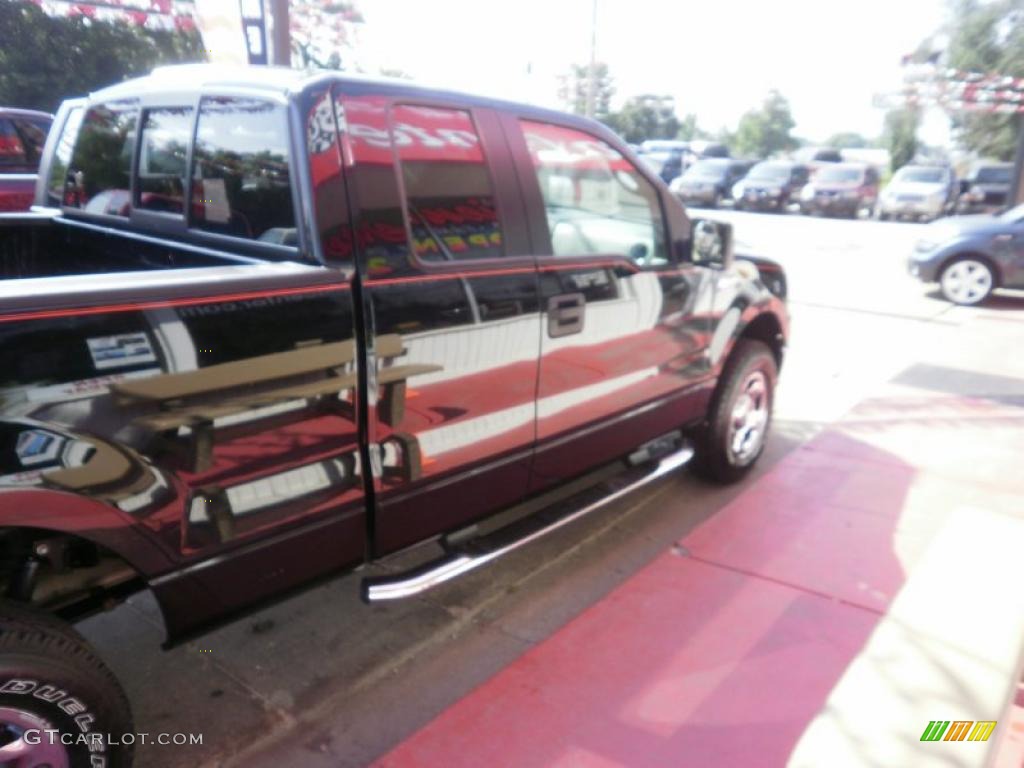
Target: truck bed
38,245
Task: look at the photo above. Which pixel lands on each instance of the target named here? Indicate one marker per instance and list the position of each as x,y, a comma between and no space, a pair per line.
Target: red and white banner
165,15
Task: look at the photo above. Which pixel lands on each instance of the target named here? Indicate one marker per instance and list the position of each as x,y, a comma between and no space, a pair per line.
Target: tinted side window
241,178
449,196
163,145
33,136
62,156
597,202
12,149
98,179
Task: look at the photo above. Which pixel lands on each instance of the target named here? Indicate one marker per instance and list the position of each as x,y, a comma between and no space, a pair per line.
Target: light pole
592,69
282,36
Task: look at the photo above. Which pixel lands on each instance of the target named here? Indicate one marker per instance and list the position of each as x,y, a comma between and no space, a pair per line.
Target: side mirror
965,185
711,243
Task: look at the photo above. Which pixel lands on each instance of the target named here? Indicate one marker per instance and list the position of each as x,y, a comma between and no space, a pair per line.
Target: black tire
50,673
714,460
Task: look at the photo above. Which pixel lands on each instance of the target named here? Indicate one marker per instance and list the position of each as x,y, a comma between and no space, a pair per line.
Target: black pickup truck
265,325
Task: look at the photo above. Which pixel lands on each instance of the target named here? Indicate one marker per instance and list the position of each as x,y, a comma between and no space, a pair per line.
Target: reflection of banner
421,133
554,146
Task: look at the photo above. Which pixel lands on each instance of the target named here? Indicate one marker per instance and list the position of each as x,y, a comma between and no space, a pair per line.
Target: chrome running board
469,555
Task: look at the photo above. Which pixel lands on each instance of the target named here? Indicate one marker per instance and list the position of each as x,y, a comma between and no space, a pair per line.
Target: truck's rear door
450,299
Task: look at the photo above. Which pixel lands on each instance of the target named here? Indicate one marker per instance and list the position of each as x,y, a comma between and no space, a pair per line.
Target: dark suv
986,188
771,185
709,182
268,325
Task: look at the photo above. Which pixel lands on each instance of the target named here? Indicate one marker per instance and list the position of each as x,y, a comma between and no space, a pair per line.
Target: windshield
769,172
840,175
708,169
1014,215
994,175
921,175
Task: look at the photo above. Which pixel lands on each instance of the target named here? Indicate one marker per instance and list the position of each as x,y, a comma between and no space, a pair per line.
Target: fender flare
94,521
760,321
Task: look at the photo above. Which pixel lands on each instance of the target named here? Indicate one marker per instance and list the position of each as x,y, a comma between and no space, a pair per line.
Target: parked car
818,156
22,135
709,182
841,189
704,150
771,185
318,320
666,164
986,189
921,192
970,256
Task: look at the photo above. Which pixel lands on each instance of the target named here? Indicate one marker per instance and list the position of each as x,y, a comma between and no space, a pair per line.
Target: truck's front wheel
60,706
740,414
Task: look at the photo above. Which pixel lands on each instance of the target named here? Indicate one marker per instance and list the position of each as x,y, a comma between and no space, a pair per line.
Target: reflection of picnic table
194,399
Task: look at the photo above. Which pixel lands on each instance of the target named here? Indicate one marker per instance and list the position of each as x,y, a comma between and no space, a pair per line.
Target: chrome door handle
565,314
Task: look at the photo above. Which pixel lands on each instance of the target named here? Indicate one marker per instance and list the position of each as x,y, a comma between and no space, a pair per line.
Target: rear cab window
241,174
163,159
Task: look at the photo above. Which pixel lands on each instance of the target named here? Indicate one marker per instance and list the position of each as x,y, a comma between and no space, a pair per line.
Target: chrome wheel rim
967,281
20,751
748,419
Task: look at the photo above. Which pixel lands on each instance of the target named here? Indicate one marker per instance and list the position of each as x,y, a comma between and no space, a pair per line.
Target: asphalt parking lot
321,680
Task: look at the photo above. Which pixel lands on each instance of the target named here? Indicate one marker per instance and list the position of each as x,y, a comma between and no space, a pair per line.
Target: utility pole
1017,188
592,69
282,36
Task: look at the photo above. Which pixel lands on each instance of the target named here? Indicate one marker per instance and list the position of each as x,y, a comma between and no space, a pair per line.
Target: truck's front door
626,324
450,301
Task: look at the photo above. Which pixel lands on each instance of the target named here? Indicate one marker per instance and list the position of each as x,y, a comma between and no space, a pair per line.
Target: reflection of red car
22,135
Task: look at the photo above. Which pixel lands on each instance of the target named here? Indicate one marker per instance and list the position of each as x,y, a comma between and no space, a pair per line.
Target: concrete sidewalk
866,585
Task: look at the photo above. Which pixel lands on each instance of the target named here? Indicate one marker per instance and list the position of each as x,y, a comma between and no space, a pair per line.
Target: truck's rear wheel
740,414
60,706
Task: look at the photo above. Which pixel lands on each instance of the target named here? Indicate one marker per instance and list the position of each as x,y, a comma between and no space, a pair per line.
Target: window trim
109,218
163,222
545,249
53,139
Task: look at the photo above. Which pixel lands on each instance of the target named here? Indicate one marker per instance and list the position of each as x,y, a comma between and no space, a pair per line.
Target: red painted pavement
720,654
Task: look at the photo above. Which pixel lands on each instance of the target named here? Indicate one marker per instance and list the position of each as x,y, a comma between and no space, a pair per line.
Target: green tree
689,130
848,140
645,117
573,89
763,132
987,37
900,135
45,60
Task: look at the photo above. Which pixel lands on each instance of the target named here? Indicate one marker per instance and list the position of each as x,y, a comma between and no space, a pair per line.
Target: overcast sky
717,58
